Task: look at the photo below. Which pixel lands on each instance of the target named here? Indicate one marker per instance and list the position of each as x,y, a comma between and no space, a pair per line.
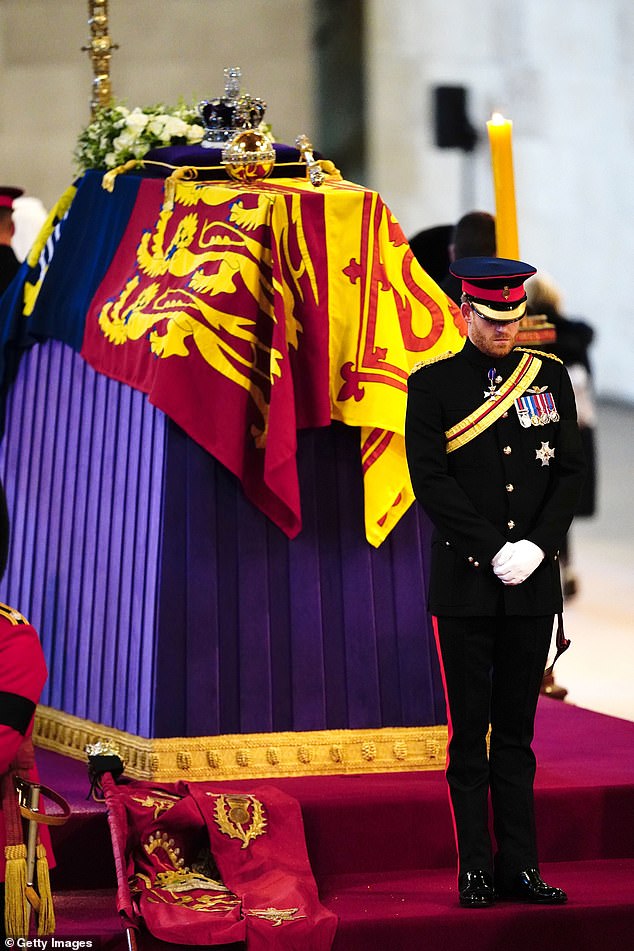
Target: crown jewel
231,113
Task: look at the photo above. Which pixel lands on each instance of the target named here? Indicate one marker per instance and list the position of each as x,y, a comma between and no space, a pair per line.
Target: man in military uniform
496,461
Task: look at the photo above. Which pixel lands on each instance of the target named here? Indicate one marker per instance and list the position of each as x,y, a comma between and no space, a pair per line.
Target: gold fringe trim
249,756
46,912
17,910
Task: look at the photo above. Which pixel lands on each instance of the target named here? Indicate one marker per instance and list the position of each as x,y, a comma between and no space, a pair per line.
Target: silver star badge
545,454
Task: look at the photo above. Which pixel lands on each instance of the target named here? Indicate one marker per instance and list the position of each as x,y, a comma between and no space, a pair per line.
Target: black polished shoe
529,886
475,889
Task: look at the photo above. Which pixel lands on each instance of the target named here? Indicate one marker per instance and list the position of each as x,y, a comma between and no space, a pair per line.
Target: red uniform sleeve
22,677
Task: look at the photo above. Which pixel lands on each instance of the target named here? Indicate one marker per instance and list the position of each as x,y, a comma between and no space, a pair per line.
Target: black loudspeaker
452,126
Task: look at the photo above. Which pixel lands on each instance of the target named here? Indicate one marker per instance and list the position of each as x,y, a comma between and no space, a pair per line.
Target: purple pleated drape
169,606
82,464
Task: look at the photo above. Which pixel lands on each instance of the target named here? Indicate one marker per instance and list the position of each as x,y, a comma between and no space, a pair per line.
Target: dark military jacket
511,481
9,266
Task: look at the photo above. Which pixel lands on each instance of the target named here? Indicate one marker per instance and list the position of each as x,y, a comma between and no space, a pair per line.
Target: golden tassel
183,173
330,169
46,916
17,910
107,182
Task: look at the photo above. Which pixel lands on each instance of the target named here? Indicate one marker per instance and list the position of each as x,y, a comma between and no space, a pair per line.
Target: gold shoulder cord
11,615
428,362
540,353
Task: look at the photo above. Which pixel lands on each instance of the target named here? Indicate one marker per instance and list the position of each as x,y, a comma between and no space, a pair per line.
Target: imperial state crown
226,115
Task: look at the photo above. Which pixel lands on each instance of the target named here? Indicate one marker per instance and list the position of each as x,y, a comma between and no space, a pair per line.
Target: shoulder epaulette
11,615
428,362
540,353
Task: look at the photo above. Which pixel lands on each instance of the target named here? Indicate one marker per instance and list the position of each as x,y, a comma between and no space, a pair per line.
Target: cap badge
506,292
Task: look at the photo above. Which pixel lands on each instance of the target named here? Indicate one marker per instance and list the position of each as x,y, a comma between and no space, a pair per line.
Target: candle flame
497,118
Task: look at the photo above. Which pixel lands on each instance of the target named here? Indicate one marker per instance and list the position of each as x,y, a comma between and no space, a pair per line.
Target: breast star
545,454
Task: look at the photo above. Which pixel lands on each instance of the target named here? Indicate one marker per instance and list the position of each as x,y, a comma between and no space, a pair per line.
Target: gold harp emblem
506,292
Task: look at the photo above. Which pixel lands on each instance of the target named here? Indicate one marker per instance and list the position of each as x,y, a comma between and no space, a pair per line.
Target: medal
553,415
492,392
536,409
527,411
544,454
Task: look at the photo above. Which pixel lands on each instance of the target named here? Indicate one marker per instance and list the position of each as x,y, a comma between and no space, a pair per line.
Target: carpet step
412,910
90,914
387,826
389,822
380,824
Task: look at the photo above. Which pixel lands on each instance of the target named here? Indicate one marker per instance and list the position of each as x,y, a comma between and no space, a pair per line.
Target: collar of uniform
479,359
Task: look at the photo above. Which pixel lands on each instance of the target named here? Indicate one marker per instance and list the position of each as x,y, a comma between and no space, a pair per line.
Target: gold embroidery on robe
276,915
240,817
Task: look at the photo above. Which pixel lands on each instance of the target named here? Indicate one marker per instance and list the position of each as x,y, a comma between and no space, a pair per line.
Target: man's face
495,338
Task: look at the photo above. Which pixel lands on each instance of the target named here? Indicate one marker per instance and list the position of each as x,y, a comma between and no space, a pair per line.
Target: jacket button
510,487
507,450
511,523
470,558
476,564
505,415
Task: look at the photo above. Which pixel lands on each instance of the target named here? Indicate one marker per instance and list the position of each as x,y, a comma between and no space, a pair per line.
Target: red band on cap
500,295
6,201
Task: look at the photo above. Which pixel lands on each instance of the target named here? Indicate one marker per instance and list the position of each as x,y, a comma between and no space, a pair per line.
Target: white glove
522,562
503,555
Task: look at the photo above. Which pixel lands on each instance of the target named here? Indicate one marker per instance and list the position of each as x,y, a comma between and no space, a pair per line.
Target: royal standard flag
386,314
247,313
211,295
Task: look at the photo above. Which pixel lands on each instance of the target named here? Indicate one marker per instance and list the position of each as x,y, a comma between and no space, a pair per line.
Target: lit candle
500,138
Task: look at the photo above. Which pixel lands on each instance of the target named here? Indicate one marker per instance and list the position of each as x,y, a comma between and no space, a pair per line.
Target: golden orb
249,156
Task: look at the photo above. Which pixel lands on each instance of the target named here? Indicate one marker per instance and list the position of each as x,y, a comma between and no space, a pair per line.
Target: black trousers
493,668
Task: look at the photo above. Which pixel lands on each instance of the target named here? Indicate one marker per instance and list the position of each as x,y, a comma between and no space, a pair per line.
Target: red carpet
381,849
